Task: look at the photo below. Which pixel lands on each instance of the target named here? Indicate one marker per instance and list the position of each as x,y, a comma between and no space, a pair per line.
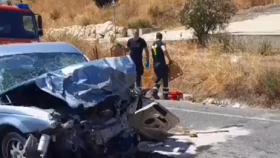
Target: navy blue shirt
136,48
157,53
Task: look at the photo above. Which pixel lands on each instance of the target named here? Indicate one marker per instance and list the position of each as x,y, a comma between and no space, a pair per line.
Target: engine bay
100,127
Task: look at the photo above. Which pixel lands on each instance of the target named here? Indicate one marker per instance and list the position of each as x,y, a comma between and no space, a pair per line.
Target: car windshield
18,25
16,69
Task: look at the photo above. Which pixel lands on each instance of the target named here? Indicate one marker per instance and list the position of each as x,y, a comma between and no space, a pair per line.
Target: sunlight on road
185,145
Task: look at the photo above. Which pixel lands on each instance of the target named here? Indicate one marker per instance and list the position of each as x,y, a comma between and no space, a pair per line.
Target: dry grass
161,13
210,72
245,4
239,76
90,49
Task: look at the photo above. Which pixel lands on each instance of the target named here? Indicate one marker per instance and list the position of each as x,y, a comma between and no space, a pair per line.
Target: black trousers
140,72
161,72
139,81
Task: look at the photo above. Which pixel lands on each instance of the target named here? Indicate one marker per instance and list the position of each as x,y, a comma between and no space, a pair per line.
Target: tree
204,16
103,3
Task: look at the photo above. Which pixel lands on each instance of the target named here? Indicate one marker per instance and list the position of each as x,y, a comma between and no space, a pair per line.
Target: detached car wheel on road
13,145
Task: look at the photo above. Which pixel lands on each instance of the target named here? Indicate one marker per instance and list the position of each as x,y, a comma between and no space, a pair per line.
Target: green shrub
103,3
158,15
84,21
271,85
55,14
139,23
204,16
154,12
265,48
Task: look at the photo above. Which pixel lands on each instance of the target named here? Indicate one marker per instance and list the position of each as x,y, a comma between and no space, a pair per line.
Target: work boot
155,94
165,91
166,96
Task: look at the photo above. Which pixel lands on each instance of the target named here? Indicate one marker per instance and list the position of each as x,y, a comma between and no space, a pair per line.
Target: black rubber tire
7,138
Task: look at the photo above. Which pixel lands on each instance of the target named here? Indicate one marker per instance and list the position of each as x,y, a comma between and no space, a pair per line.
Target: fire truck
19,24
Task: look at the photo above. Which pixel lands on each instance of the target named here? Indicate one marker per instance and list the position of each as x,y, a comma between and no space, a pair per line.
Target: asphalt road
262,139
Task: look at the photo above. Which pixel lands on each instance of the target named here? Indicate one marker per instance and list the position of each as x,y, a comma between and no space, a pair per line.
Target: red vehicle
19,24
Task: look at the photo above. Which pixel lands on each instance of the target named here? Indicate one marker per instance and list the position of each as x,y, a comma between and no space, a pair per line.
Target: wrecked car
56,103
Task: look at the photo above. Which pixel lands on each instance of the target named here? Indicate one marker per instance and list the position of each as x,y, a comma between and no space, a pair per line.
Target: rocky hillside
92,31
159,13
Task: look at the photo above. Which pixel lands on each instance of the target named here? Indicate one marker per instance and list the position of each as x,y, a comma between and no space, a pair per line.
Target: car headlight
54,124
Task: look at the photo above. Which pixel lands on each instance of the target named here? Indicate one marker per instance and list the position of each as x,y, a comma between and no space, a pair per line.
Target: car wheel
13,145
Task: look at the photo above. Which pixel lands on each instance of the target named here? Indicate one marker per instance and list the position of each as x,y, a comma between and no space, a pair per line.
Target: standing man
160,67
136,45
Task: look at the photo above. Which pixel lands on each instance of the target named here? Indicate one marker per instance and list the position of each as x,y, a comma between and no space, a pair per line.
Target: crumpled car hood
91,82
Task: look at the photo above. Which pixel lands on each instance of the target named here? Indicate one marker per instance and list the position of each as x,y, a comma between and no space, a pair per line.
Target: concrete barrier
249,40
255,41
141,31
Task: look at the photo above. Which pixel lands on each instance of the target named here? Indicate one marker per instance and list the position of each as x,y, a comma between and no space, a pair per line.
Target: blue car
51,94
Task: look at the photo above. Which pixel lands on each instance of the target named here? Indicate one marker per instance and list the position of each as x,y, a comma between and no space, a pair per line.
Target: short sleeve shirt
136,48
158,49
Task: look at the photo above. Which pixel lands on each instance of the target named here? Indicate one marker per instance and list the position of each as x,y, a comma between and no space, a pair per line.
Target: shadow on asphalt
157,155
203,148
168,150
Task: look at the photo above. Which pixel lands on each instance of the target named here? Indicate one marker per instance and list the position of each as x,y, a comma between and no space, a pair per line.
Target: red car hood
11,40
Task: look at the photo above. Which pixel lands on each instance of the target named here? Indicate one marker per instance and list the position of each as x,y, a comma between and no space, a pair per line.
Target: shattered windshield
15,69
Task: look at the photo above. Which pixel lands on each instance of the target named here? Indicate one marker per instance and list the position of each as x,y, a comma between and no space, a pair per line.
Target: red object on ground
175,95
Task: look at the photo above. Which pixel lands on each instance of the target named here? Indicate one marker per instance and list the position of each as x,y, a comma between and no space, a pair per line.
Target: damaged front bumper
117,137
94,111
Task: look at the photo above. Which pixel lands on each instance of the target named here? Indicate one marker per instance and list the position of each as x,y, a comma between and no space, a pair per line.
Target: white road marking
225,115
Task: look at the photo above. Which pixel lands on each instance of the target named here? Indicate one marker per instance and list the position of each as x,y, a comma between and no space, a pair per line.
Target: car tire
12,145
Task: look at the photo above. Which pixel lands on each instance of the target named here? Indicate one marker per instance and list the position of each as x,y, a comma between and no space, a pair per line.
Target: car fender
24,123
25,119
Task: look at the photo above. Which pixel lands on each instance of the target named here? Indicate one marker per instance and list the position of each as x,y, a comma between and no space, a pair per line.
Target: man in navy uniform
136,45
160,67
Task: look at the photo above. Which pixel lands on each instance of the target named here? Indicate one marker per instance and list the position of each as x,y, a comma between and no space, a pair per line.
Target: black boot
155,94
166,96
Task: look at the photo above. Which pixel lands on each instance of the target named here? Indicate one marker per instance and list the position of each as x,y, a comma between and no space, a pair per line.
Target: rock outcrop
98,31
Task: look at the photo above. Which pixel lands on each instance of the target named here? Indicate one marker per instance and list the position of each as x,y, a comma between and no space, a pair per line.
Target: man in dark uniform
136,45
160,67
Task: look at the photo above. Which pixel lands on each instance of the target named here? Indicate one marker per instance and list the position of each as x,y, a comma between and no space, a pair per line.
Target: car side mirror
40,32
40,22
40,25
